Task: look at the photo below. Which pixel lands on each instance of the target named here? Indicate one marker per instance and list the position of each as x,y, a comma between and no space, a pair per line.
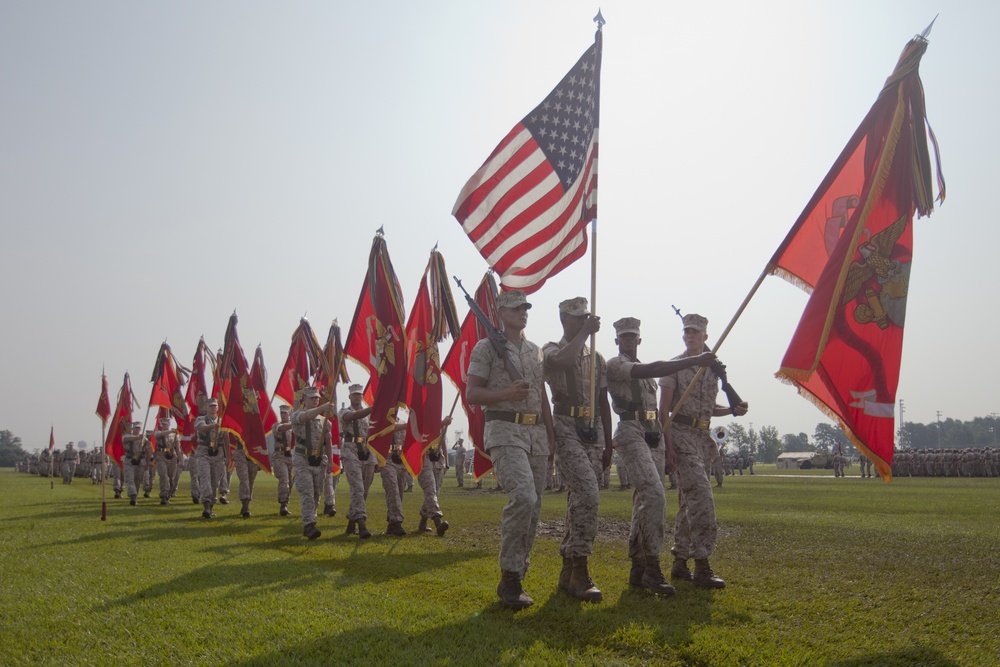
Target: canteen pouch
363,452
136,462
396,458
434,455
652,439
213,451
168,456
315,460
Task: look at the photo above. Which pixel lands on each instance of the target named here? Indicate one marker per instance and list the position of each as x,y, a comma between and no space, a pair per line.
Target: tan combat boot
395,528
423,527
510,591
441,525
581,586
363,531
564,574
311,531
653,579
352,527
704,577
635,574
679,570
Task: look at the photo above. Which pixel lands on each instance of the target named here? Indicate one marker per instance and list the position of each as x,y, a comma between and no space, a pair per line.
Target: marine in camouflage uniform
137,451
354,457
518,437
148,468
639,444
583,440
70,459
431,508
168,453
311,455
246,474
281,461
691,449
459,448
211,457
393,475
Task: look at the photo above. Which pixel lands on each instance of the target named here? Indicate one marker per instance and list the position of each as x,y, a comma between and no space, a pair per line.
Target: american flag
527,207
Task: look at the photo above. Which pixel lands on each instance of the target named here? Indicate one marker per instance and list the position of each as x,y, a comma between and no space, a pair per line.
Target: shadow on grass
359,567
918,655
640,628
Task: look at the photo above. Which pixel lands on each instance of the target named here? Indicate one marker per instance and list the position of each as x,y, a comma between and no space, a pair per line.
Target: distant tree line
10,449
765,444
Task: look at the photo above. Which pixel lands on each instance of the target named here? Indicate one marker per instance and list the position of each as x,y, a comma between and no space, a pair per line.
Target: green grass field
820,571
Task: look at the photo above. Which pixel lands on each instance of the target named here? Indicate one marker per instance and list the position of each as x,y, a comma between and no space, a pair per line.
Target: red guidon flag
103,403
168,378
258,382
377,341
301,365
121,423
432,318
331,371
196,395
52,437
851,248
527,208
456,367
241,417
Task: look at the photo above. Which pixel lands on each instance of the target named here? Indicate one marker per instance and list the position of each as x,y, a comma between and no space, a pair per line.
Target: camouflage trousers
246,473
167,469
192,467
211,472
148,476
429,484
68,471
368,473
309,484
393,481
117,478
133,477
282,466
330,484
353,469
694,529
578,465
523,478
460,470
649,505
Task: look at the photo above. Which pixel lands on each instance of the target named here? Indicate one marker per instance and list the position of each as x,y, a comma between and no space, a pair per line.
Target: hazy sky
162,164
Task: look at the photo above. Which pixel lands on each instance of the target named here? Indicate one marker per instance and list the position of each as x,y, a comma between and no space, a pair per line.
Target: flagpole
52,443
718,344
104,474
453,404
593,310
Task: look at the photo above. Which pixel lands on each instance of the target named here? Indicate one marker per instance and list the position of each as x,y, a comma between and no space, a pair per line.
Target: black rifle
719,369
496,336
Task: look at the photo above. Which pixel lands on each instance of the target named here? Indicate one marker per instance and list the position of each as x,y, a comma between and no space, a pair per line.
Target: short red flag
121,423
168,378
301,365
258,381
331,371
196,394
433,316
241,416
851,248
52,437
377,341
527,208
456,367
103,403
